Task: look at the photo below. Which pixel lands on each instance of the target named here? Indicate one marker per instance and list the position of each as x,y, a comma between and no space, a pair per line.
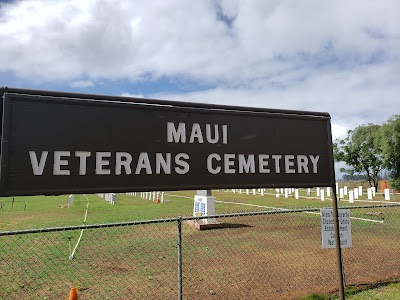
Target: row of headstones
153,196
358,191
355,193
109,197
286,192
342,192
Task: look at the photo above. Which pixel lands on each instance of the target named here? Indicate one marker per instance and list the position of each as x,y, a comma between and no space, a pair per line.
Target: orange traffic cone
73,294
158,198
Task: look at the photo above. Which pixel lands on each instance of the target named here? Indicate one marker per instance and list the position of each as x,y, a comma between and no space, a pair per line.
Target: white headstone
296,193
247,191
373,191
356,193
351,196
281,190
262,192
345,190
162,197
341,193
328,191
318,191
254,192
70,200
369,194
387,194
204,205
308,192
337,188
286,193
360,190
322,195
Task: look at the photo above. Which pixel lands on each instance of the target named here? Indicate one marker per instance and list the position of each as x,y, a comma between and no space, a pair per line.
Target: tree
389,143
360,152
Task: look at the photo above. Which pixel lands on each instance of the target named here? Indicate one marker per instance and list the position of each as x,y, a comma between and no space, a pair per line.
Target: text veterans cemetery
61,143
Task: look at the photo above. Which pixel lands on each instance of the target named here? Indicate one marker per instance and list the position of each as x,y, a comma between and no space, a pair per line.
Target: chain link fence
259,255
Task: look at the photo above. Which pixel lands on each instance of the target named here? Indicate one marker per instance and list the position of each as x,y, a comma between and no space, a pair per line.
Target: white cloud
338,56
82,84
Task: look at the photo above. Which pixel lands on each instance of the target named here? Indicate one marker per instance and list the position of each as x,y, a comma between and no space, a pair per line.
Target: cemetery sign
62,143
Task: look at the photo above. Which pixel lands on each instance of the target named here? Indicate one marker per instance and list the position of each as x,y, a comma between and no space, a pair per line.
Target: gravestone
204,206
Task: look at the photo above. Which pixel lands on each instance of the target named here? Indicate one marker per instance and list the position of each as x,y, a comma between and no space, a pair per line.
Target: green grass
52,211
380,291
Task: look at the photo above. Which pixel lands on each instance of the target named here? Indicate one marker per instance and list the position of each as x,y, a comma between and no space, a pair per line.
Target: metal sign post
337,246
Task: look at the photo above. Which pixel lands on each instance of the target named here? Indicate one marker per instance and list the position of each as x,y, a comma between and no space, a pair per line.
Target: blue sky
340,57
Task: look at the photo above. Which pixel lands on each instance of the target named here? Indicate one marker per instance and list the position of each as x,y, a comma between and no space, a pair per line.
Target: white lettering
248,166
101,162
165,164
263,163
143,163
196,133
314,160
209,163
229,162
58,162
123,159
225,134
83,155
37,167
302,164
277,159
183,164
289,163
208,134
176,136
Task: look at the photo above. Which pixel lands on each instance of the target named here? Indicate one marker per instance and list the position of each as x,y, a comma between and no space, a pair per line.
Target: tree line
370,149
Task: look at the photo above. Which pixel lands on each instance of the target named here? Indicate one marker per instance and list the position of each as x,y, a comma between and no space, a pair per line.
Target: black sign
58,143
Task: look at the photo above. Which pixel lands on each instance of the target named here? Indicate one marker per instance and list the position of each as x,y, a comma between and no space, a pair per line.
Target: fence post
338,248
179,243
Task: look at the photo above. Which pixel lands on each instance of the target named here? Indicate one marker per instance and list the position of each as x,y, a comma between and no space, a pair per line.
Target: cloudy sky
340,57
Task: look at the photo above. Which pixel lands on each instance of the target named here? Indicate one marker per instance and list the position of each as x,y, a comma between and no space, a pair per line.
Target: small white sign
328,228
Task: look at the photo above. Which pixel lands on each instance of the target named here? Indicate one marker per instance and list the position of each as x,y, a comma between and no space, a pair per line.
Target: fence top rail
180,219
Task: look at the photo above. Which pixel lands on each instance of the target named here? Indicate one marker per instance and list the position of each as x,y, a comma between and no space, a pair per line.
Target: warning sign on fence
328,228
